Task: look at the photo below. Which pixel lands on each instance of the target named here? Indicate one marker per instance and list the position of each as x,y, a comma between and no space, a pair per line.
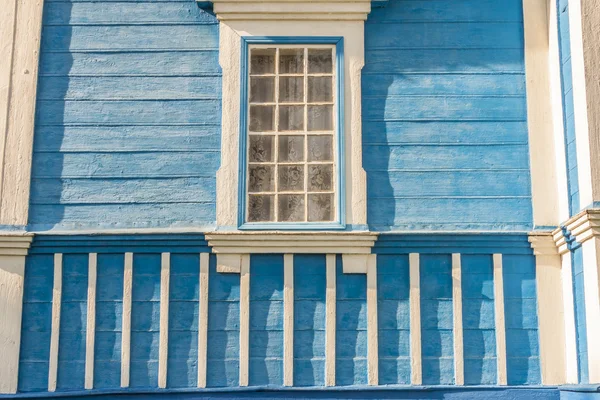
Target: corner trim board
55,332
126,323
91,321
415,320
500,320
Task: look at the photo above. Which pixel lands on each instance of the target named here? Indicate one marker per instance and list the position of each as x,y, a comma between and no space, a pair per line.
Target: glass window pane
262,61
261,179
320,148
320,178
291,118
320,207
320,61
291,89
320,118
320,89
291,61
262,90
291,148
291,208
261,118
261,148
260,208
291,178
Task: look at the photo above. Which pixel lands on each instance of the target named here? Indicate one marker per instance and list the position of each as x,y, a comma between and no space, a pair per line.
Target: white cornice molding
584,225
15,244
291,243
560,241
286,10
543,244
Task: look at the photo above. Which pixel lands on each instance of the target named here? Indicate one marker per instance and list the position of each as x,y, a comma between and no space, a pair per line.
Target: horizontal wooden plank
129,88
445,35
105,216
65,13
125,165
130,37
161,63
123,191
126,138
444,108
443,10
448,183
381,157
433,132
392,212
444,61
432,84
55,112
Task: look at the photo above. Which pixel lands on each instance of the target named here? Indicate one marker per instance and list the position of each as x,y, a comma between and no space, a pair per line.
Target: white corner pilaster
13,250
550,308
20,32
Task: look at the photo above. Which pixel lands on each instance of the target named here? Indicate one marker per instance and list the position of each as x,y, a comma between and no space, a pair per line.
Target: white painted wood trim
539,114
203,319
163,345
244,319
372,327
459,362
500,321
12,278
571,362
126,322
415,320
330,323
591,283
288,320
55,333
91,321
228,10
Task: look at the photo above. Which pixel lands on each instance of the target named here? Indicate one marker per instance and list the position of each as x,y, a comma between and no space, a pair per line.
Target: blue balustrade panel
128,111
445,138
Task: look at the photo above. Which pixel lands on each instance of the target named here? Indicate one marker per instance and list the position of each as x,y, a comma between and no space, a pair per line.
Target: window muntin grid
291,134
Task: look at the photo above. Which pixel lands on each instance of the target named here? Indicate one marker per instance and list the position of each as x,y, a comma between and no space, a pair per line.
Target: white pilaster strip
126,323
591,285
330,304
288,320
459,362
571,363
500,323
203,320
372,327
415,320
91,321
244,319
54,337
163,345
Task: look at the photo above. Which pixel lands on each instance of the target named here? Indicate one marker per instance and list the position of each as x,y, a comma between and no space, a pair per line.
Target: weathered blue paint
580,392
445,139
340,209
580,313
310,285
479,327
127,117
568,107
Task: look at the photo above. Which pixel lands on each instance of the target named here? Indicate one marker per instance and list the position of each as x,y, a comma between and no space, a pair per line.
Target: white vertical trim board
330,304
592,305
500,322
244,319
203,319
54,337
163,345
459,362
288,320
415,320
571,363
372,329
126,324
91,321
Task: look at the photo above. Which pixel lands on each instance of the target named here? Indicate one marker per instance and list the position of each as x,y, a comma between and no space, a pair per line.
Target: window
292,141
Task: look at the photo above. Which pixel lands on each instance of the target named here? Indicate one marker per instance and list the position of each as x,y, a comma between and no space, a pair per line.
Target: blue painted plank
129,88
129,37
159,63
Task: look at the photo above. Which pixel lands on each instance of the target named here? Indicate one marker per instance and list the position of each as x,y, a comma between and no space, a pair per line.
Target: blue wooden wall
128,116
445,139
266,334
